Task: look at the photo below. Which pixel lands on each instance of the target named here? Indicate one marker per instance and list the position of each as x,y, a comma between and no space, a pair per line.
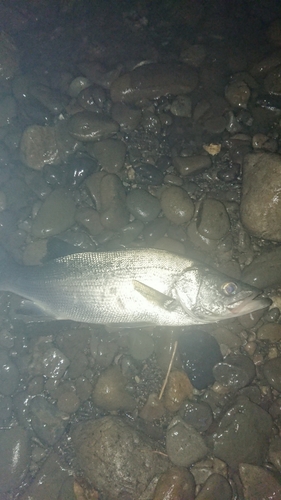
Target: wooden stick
169,370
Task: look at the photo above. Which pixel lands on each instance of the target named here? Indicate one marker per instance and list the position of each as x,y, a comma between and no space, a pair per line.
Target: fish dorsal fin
154,296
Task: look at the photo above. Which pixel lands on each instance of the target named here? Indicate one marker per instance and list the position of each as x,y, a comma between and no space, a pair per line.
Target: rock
238,93
14,457
270,331
153,408
110,154
235,371
189,165
272,82
113,212
181,106
38,147
110,391
151,81
197,414
274,453
116,458
127,117
86,126
260,205
200,352
258,483
48,481
46,420
177,205
146,174
55,215
9,375
177,390
176,483
184,444
216,486
54,363
213,221
272,373
9,58
141,345
142,205
264,270
155,230
242,434
90,219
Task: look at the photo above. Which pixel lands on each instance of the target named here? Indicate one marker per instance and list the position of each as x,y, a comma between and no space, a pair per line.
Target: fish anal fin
155,296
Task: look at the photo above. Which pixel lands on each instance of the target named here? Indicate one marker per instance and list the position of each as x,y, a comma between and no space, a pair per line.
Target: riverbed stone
151,81
14,457
86,126
116,458
177,205
55,215
213,221
261,204
142,205
184,444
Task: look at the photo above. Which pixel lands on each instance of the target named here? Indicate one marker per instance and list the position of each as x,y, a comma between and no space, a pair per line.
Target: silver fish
142,286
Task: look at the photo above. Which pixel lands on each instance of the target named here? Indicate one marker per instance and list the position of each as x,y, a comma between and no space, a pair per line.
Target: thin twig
169,370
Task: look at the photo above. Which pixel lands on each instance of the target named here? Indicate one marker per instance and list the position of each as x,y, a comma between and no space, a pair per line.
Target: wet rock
197,414
153,408
148,174
8,111
216,486
49,98
143,205
155,230
189,165
170,245
92,98
68,402
141,345
54,363
177,205
55,215
258,483
77,85
108,451
235,371
90,219
274,453
9,375
177,390
14,457
49,480
181,106
270,331
39,147
110,391
34,252
242,434
272,82
127,117
200,352
184,444
238,93
200,241
272,373
264,270
88,127
9,58
5,409
260,204
130,232
153,80
175,484
110,154
46,420
113,212
213,221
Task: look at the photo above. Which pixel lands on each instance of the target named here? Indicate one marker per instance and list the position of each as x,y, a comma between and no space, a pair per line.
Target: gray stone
116,458
184,444
14,457
55,215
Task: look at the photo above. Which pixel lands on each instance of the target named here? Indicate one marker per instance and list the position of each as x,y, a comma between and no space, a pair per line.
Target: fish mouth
249,304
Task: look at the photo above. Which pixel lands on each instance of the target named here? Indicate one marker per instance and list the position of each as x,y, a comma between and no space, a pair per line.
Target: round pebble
110,154
110,391
175,484
142,205
46,420
213,221
177,390
270,331
177,205
54,363
184,444
188,165
14,457
141,345
55,215
9,375
272,373
235,371
86,126
197,414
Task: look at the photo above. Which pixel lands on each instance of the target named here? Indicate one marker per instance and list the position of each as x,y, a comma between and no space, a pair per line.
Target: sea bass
142,286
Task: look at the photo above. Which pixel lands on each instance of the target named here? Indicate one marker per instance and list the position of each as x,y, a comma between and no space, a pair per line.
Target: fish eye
229,288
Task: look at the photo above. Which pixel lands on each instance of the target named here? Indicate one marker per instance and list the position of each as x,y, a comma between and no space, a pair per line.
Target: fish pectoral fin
155,296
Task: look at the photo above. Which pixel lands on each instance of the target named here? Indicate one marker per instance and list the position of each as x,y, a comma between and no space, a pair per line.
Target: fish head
210,296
